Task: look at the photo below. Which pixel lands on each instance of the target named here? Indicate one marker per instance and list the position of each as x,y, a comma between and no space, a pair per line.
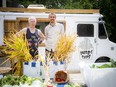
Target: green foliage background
107,8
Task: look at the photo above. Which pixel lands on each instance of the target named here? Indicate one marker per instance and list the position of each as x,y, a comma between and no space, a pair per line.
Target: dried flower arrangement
18,52
64,47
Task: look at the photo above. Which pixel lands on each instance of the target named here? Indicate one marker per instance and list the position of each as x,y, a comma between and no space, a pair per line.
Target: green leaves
11,80
112,64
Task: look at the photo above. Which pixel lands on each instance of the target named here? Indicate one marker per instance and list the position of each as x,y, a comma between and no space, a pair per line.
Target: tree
108,9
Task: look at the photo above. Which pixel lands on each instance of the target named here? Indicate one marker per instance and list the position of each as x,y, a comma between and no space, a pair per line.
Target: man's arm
41,35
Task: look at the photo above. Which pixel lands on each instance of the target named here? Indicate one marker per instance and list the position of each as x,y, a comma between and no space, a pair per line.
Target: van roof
36,6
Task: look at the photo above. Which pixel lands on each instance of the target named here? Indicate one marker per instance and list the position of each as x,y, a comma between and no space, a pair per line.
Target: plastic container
99,77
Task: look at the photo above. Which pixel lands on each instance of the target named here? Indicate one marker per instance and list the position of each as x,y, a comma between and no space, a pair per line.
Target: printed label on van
85,49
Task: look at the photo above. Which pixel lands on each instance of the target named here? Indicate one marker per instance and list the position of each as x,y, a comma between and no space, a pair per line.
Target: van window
85,30
102,33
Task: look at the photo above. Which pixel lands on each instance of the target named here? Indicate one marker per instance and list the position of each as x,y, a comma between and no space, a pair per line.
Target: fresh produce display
25,81
112,64
18,52
18,81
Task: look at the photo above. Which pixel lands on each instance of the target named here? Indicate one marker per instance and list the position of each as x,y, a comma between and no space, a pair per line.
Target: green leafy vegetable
15,80
112,64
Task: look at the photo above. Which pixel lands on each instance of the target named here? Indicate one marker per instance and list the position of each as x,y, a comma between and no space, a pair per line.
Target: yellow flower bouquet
18,52
64,47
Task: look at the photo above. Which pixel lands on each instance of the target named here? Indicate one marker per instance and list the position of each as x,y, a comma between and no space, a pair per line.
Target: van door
86,43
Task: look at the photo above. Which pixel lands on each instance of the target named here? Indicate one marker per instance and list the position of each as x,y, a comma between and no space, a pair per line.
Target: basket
4,69
61,77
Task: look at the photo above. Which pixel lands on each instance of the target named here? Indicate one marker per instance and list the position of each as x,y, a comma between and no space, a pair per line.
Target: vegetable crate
98,77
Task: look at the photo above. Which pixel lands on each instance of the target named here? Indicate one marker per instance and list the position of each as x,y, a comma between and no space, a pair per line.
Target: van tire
102,59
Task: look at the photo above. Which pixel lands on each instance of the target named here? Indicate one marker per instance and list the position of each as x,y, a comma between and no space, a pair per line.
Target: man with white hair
34,36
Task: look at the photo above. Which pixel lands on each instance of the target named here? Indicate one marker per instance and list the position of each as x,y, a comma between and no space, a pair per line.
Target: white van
92,44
